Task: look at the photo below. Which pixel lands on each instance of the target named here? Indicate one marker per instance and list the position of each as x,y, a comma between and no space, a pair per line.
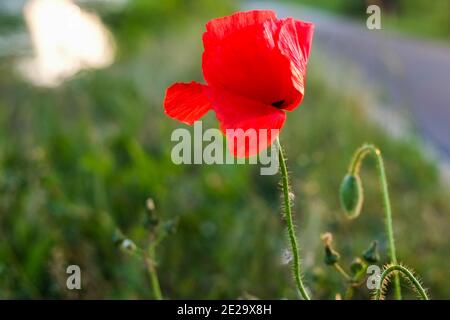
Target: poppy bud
152,219
371,255
117,238
331,256
356,266
170,226
128,245
351,195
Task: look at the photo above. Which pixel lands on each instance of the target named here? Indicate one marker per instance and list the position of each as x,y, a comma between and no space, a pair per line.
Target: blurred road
413,74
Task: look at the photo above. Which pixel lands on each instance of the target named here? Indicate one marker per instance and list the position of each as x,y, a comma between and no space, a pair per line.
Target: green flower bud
351,195
128,245
356,266
170,226
152,220
331,256
371,255
118,238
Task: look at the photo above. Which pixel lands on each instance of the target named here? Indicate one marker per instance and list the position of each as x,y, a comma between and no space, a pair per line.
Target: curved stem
408,274
341,270
290,224
354,169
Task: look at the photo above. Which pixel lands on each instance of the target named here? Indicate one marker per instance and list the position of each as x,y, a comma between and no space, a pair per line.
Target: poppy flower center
278,104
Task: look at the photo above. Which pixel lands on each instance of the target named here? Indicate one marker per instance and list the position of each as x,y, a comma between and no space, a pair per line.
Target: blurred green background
79,161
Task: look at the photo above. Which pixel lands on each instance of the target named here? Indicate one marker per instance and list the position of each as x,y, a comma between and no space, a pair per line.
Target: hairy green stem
290,224
354,169
420,290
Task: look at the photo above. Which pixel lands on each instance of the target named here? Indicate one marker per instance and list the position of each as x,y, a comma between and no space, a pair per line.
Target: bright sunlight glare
66,39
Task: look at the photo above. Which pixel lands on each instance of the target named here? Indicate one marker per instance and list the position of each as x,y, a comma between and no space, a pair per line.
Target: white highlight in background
66,39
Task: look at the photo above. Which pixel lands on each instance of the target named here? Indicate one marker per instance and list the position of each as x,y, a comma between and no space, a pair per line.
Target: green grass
79,161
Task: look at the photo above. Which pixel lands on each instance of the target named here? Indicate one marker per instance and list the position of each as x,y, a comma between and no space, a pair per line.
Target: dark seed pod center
278,104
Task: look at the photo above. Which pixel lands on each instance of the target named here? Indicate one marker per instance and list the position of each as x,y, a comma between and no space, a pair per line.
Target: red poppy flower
254,65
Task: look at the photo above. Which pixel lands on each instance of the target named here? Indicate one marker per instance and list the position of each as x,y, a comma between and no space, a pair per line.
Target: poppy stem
342,272
414,282
290,224
355,166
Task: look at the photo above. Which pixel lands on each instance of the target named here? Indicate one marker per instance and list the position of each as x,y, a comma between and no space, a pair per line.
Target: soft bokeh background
79,157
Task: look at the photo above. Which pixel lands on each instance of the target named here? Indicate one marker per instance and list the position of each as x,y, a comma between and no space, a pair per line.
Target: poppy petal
238,115
220,28
249,63
186,102
294,41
